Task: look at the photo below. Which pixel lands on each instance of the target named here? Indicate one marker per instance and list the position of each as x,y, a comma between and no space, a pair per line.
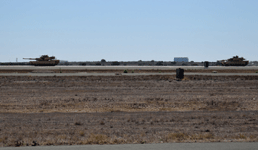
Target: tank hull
244,63
44,63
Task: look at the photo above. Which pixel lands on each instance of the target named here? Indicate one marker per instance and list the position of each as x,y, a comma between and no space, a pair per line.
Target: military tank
44,60
234,61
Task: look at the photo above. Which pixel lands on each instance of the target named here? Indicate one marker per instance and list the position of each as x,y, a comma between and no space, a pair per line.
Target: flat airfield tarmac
132,70
127,67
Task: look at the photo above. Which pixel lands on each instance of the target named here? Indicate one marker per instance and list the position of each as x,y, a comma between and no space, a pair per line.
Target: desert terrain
69,110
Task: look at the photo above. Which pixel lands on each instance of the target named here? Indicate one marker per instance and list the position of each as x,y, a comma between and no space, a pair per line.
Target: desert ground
72,110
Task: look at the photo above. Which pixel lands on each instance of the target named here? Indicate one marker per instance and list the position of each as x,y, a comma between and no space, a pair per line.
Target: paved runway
212,68
124,74
126,67
165,146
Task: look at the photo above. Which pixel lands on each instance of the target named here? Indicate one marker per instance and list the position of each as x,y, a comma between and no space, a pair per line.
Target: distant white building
181,59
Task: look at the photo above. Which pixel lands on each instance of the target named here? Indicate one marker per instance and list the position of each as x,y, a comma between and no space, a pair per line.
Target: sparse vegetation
98,139
81,133
141,130
177,136
102,109
240,136
74,99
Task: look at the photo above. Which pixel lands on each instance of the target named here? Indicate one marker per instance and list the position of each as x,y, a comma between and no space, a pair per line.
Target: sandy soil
127,109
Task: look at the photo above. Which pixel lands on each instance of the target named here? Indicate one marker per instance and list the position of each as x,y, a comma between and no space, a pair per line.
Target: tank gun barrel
30,58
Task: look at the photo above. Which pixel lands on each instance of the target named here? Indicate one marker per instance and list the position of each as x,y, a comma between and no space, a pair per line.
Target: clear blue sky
128,30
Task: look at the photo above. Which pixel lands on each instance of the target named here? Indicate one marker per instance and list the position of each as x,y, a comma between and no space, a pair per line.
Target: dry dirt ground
242,70
127,109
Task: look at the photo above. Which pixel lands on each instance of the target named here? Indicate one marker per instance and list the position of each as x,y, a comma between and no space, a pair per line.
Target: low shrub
81,133
77,123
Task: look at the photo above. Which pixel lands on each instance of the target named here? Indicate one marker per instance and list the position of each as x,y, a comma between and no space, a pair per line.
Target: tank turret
44,60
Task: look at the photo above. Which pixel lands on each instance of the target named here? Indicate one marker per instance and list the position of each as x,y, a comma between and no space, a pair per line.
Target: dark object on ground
180,73
34,143
206,64
18,143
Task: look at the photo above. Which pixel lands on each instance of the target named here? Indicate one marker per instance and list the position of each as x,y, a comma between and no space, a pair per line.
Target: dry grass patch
205,136
98,139
240,136
178,137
